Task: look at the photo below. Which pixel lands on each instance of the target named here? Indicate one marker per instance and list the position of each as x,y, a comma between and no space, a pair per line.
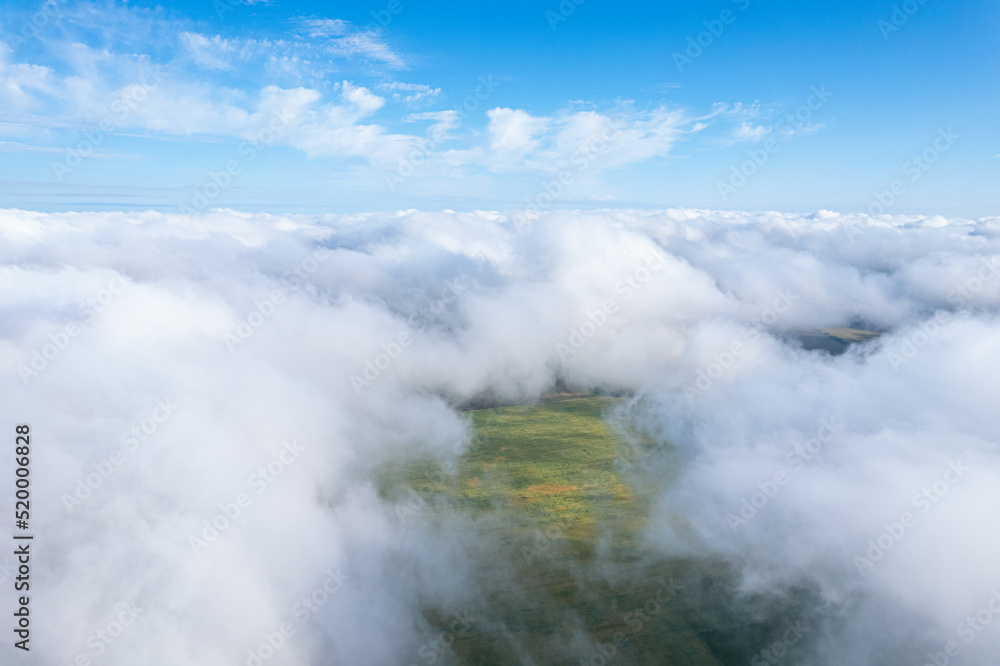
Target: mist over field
213,396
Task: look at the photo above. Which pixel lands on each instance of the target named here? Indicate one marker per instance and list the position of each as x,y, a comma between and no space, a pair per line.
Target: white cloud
749,132
343,118
138,95
17,146
192,280
741,110
615,139
345,40
209,52
789,131
22,84
410,93
444,121
598,140
334,130
366,44
303,58
326,27
514,132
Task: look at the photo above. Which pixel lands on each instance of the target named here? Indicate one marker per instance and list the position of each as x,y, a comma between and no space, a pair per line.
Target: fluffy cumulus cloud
112,93
327,88
513,131
411,93
211,397
581,140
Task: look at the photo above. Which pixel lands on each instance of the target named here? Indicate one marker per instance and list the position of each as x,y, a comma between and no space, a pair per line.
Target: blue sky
329,107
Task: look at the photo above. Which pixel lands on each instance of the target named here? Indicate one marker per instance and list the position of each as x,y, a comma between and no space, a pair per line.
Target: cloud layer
211,395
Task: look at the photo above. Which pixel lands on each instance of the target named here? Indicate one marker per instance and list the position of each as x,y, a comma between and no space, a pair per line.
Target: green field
557,507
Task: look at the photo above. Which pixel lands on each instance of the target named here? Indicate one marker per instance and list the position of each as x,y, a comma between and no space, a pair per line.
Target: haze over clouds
180,354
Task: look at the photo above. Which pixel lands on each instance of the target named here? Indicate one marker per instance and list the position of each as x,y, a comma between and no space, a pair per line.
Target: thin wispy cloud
749,132
211,85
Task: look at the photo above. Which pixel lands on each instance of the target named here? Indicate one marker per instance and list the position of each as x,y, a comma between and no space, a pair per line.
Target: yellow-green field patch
543,489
